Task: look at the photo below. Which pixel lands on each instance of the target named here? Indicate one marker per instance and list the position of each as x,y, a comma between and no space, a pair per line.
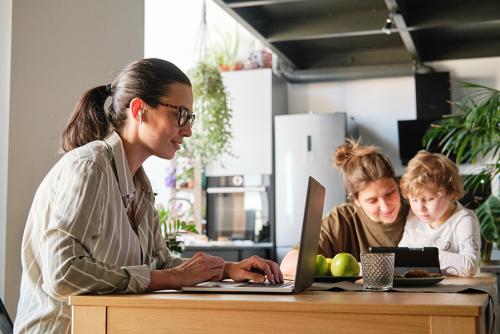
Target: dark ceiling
341,39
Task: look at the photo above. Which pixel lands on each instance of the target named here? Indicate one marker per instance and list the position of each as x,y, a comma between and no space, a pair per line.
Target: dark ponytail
89,121
147,79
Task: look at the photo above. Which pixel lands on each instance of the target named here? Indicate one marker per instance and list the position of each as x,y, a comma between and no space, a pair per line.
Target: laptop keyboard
266,284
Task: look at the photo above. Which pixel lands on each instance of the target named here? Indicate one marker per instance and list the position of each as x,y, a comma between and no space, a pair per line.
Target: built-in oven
238,208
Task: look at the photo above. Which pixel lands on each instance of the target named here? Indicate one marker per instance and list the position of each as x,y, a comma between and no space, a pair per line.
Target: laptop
308,249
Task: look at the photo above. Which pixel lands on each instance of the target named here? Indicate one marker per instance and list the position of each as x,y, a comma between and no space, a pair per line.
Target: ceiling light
387,28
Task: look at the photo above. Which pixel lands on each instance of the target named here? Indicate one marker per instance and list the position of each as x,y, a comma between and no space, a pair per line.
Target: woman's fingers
207,267
275,269
265,268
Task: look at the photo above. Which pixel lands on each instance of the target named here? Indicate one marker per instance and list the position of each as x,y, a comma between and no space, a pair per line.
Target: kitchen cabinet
255,96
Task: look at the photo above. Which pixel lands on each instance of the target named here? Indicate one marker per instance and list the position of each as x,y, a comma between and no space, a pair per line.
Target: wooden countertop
309,301
307,312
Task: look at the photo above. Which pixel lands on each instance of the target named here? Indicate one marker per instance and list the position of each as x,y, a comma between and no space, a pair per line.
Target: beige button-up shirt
79,239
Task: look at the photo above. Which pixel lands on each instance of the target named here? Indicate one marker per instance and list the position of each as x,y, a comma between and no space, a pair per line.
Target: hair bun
346,152
343,154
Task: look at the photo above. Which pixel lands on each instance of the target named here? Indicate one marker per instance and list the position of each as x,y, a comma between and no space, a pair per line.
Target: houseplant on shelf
472,134
172,227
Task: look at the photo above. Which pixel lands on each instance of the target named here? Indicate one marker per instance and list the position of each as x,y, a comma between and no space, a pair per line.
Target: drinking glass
378,271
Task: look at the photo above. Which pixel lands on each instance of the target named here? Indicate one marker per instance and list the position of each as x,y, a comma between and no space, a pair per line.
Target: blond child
432,185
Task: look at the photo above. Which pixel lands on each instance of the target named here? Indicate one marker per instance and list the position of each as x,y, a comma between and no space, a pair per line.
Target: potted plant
225,52
172,227
472,134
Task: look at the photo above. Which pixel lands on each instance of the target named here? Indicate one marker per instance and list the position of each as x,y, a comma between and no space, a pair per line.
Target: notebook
308,249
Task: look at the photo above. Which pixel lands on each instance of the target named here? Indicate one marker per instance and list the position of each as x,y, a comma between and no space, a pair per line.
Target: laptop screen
311,226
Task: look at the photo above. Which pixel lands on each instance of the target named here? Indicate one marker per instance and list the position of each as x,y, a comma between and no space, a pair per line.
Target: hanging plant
212,128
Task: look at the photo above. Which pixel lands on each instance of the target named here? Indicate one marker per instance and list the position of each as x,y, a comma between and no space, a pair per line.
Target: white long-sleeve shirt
79,238
458,241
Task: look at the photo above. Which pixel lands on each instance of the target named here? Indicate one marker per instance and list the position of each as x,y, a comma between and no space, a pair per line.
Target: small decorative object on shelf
472,134
259,59
170,177
184,173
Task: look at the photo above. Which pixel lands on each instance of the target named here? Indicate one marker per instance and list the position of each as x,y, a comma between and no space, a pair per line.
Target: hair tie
108,89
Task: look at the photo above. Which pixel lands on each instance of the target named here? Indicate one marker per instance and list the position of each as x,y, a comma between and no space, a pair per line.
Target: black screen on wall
433,94
410,138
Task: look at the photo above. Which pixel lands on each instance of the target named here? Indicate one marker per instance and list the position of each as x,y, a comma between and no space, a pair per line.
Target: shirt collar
125,180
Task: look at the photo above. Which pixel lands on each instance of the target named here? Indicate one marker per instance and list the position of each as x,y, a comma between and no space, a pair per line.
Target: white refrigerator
304,144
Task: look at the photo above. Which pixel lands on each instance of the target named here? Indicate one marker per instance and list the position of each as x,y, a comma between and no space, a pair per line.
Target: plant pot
486,247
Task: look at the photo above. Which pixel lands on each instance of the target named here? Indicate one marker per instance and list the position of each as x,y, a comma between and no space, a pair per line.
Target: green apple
344,264
321,266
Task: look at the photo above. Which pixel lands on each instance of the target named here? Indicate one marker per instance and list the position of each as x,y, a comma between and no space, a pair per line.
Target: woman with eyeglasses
93,227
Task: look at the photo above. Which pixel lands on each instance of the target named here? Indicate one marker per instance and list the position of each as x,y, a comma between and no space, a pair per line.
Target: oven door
238,213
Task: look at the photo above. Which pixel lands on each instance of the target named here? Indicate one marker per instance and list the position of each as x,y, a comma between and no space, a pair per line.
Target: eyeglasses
184,114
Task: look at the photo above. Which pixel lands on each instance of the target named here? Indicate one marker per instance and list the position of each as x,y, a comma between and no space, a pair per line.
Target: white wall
59,49
172,30
5,50
377,104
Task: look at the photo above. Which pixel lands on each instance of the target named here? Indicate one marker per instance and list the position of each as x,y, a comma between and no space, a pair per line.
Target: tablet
425,258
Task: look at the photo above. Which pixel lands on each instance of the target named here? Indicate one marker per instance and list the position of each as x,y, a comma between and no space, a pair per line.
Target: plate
417,281
333,279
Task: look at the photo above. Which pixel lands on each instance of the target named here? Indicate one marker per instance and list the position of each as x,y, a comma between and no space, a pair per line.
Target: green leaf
475,181
488,214
461,149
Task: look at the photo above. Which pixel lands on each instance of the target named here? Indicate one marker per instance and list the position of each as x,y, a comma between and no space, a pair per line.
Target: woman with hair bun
375,214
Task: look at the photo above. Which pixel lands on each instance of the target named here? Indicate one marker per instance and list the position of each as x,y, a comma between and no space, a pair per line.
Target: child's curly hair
433,172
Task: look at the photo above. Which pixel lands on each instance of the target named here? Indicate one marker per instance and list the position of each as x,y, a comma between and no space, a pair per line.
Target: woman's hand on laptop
199,268
254,268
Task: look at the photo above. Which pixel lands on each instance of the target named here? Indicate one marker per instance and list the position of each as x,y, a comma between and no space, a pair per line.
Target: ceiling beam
346,73
445,15
370,57
343,25
257,3
403,29
256,33
464,51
